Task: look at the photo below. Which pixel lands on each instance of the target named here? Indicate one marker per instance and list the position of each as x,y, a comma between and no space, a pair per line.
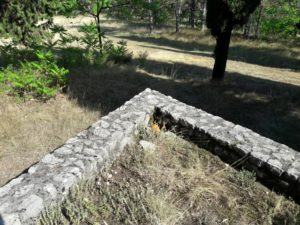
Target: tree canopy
222,17
25,21
223,13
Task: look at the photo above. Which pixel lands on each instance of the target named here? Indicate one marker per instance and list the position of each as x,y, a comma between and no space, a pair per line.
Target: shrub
118,53
38,79
243,178
142,58
99,53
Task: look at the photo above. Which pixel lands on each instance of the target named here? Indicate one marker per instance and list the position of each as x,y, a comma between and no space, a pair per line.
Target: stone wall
48,181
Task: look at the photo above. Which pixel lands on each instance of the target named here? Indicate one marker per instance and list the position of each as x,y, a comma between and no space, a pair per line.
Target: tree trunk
248,27
257,28
151,19
192,11
203,14
98,21
221,53
177,16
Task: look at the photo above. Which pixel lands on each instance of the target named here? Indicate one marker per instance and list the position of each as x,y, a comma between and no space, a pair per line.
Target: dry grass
30,130
177,183
259,59
255,94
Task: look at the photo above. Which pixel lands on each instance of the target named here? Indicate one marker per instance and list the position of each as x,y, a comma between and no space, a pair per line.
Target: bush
142,58
96,53
243,178
117,53
38,79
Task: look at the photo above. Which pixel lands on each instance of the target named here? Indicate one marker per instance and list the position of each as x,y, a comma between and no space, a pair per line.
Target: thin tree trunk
221,53
98,21
151,19
247,28
257,28
192,11
203,14
177,16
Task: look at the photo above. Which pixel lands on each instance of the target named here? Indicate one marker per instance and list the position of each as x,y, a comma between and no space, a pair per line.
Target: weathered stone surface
22,199
147,146
10,219
259,158
51,159
30,207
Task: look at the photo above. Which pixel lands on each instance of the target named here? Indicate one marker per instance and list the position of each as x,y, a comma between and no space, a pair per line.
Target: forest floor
261,90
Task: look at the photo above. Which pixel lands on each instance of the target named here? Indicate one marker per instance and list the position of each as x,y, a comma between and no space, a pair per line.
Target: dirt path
172,55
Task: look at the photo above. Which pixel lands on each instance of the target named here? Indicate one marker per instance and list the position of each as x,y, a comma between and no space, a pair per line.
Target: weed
118,53
142,58
243,178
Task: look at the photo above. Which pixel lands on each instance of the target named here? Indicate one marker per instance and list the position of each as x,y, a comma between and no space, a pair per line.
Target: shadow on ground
278,58
269,108
261,56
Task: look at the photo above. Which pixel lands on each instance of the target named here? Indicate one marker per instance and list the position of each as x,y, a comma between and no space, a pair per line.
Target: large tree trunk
221,53
192,13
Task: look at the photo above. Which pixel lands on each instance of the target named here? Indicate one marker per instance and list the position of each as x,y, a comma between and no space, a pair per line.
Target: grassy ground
175,183
29,130
261,96
261,90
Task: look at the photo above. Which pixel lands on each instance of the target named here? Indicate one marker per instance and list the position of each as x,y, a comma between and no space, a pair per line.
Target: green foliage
243,178
93,7
69,8
142,58
27,21
62,37
139,9
118,53
280,17
110,52
38,79
222,14
90,37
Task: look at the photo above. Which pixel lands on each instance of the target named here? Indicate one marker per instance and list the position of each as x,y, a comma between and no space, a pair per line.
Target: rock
12,219
147,146
31,207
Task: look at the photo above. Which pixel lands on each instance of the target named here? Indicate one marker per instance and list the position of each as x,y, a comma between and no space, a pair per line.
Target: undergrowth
39,79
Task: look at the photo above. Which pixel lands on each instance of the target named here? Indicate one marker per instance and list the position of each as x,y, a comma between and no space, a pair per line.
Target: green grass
177,183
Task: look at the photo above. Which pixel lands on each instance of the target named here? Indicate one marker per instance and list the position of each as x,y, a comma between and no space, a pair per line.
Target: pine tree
222,17
26,21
